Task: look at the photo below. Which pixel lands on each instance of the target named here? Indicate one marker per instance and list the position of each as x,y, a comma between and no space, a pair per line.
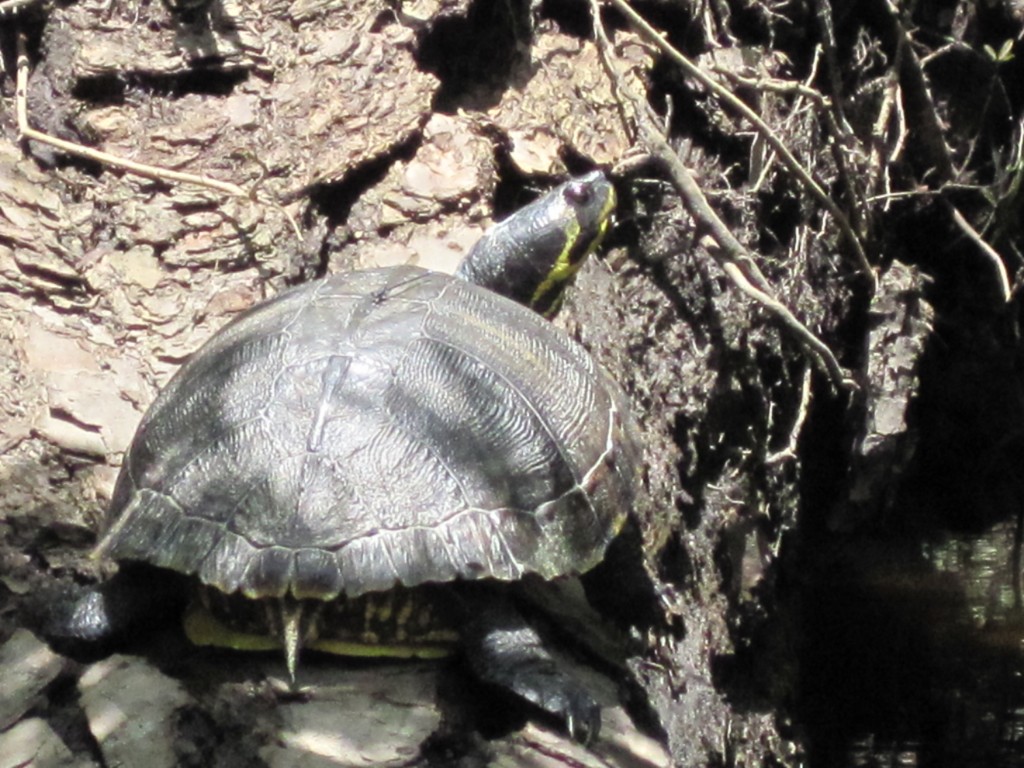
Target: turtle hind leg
504,650
91,623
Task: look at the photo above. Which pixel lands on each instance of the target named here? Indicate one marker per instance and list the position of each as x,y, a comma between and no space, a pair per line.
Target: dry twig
727,97
918,101
789,453
149,171
987,250
842,132
733,258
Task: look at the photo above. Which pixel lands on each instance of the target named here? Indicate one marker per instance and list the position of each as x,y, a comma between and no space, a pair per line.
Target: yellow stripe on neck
565,268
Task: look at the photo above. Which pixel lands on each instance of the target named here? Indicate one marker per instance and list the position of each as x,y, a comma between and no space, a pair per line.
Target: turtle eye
579,193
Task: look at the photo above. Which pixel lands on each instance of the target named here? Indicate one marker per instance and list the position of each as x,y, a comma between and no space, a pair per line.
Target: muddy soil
834,566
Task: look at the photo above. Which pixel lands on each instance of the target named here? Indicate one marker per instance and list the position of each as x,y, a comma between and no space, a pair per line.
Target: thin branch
835,118
783,313
773,85
140,169
823,13
727,97
733,258
789,452
881,156
918,101
987,250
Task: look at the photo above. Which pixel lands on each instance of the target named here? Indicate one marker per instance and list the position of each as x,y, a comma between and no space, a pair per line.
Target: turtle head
534,254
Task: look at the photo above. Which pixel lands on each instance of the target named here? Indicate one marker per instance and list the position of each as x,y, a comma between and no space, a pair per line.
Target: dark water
912,651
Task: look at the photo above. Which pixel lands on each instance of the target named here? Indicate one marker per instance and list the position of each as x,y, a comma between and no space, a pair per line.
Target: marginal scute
270,573
224,567
376,428
317,575
146,519
186,542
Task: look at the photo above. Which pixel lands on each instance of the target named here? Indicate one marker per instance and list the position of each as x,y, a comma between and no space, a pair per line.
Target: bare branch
987,250
789,453
140,169
733,258
727,97
918,101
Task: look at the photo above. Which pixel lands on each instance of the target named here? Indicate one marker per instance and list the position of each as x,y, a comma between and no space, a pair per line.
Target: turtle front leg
93,622
504,650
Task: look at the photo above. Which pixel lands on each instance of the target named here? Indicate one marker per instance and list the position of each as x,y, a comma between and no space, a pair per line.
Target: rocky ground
816,319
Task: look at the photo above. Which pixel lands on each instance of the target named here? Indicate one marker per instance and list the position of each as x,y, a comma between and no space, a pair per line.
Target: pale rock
34,744
130,708
27,666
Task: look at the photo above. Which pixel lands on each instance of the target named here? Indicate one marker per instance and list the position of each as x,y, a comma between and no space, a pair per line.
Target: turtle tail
292,633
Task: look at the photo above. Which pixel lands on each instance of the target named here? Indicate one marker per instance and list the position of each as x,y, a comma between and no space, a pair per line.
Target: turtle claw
581,714
553,690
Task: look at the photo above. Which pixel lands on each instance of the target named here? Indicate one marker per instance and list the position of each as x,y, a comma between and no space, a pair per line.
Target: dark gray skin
386,427
505,259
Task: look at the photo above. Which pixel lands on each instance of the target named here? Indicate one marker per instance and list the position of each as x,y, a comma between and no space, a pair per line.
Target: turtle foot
562,696
89,623
504,650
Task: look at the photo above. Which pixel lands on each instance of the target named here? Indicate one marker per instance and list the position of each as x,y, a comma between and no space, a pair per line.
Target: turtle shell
374,428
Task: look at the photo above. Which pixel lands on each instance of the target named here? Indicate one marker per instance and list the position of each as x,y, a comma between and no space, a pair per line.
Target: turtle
379,462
